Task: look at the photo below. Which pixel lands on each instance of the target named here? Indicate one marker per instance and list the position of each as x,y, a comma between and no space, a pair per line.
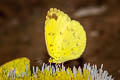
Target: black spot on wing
62,48
51,34
68,28
72,29
51,44
72,49
74,34
79,37
61,33
77,44
72,52
54,16
51,49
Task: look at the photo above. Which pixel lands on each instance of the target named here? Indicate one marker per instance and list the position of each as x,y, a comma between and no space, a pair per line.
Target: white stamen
74,71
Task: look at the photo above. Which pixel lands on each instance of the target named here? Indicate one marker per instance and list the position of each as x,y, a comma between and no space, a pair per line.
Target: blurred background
22,30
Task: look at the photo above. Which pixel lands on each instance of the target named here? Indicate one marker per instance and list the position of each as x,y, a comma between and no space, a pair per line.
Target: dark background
22,31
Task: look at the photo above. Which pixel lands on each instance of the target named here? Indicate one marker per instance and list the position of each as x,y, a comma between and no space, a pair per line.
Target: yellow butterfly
65,38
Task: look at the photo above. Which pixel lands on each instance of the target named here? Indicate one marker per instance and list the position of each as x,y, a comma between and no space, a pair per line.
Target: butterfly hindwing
65,38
